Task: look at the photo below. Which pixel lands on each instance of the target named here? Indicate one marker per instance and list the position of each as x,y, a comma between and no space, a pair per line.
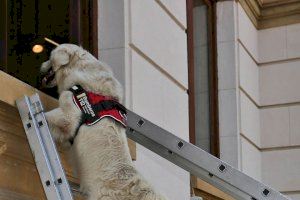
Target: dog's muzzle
48,79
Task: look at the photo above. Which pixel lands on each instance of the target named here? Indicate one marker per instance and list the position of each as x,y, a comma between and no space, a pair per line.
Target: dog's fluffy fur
100,152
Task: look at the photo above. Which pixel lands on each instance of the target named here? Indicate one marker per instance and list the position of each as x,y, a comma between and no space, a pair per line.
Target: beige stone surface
280,169
251,160
293,41
279,83
249,74
247,32
227,65
294,125
228,116
230,150
160,38
294,196
111,32
177,8
250,120
152,99
275,127
272,44
115,57
226,21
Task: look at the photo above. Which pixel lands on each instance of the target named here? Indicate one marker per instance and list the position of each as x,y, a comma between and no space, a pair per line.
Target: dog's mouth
49,79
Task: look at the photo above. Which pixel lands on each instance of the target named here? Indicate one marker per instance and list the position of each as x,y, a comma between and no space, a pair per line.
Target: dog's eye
59,68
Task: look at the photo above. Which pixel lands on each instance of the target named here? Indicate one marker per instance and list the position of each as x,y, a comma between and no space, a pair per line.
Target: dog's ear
60,57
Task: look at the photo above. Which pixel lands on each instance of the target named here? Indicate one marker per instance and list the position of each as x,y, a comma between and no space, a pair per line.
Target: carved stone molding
272,13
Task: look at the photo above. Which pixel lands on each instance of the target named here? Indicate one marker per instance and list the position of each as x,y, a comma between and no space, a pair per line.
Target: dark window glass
25,24
28,23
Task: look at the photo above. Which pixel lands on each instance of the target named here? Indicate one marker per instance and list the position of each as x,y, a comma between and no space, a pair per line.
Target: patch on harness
85,104
95,107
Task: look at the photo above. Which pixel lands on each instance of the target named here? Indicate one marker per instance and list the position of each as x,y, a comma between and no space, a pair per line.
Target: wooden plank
132,148
13,137
13,89
205,195
16,161
208,191
8,195
20,177
20,180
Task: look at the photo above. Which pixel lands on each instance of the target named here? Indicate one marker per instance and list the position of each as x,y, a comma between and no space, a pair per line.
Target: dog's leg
64,120
59,125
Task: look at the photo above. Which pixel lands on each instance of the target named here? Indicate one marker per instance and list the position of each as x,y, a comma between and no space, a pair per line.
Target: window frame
213,76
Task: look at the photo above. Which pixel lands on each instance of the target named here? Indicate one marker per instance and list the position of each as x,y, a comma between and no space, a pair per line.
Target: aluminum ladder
187,156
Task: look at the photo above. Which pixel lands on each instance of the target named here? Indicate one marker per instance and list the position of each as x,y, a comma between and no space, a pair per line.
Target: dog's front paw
59,127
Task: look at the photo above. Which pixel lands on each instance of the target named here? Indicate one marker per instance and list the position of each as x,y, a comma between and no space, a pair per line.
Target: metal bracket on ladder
52,175
185,155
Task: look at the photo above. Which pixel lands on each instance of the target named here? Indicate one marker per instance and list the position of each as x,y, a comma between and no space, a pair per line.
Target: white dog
100,151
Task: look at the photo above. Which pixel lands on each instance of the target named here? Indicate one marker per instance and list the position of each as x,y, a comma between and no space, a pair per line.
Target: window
25,23
203,89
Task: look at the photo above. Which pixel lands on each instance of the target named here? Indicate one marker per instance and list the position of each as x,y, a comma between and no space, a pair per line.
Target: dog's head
70,64
60,63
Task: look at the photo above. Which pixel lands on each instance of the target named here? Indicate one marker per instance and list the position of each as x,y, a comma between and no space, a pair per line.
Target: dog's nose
46,66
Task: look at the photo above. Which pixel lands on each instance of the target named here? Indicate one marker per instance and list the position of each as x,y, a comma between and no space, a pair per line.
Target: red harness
95,107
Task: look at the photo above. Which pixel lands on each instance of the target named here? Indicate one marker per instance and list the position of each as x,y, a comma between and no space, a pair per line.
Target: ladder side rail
44,151
198,161
37,148
184,164
61,181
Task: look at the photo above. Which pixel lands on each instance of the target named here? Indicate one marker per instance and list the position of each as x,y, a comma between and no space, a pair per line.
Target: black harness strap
71,140
76,92
108,105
